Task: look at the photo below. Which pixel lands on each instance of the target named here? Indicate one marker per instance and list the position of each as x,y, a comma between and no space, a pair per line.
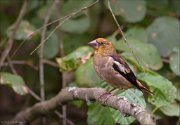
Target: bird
112,68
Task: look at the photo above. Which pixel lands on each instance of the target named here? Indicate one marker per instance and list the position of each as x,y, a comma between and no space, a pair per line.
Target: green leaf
74,59
14,81
171,109
134,96
175,62
157,3
131,10
24,31
77,103
137,33
73,41
145,55
175,6
86,75
77,26
33,5
119,118
164,91
99,115
72,5
42,12
164,34
51,47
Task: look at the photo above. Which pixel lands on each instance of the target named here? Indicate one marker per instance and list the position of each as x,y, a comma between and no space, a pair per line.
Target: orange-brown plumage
111,67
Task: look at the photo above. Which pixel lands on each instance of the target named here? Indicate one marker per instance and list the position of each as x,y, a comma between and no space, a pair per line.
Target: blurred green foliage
152,29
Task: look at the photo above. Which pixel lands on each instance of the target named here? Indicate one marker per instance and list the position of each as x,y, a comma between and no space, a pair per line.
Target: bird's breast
104,68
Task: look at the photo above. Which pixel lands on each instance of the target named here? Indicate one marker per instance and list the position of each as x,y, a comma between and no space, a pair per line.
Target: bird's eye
101,43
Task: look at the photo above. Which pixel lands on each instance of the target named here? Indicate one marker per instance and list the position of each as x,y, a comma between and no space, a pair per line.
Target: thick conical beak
93,44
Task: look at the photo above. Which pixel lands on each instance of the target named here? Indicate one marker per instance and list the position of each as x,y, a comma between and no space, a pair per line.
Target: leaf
77,26
24,31
175,62
73,41
157,3
119,118
131,10
171,109
175,6
33,5
137,33
14,81
86,75
164,34
145,55
72,5
77,103
74,59
164,91
134,96
51,47
99,115
42,12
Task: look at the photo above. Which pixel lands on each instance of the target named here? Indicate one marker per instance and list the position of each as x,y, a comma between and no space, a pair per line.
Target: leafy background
152,29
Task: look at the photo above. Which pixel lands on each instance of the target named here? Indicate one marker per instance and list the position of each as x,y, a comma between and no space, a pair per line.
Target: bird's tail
142,87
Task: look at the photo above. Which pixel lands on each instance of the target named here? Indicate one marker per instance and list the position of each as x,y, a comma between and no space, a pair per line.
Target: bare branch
41,54
11,65
119,28
65,19
63,80
14,28
97,94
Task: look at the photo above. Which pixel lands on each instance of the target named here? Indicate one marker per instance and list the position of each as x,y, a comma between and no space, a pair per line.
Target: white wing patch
121,67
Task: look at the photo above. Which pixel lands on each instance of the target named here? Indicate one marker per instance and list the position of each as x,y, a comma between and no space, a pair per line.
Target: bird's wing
120,66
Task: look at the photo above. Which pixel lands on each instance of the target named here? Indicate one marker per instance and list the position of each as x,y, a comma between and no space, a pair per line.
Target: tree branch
66,18
63,80
97,94
14,28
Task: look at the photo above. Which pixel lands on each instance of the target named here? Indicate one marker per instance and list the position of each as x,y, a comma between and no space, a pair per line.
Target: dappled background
49,52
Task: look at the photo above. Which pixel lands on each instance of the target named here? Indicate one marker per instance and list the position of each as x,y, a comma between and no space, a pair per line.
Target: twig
51,63
11,65
119,27
36,31
41,53
19,62
61,116
33,94
63,80
14,28
72,93
166,60
67,18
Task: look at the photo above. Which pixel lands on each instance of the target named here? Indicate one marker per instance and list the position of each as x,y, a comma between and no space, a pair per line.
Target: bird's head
102,46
